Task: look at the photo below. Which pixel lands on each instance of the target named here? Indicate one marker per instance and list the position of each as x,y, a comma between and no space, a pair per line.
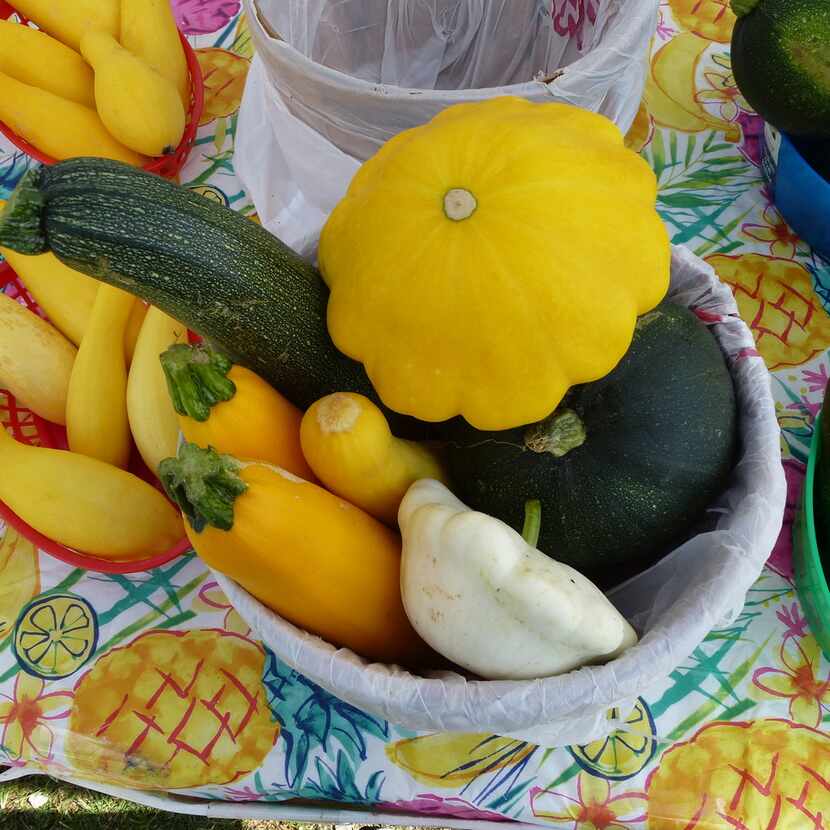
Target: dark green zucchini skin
222,275
660,442
781,62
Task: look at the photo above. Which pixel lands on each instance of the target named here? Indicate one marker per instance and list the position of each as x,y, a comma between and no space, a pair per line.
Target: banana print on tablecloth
19,577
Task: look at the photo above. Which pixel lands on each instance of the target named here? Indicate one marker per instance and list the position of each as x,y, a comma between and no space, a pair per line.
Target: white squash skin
481,596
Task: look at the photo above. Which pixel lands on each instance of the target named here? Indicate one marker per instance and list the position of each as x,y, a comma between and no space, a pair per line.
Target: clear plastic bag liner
435,44
673,605
333,80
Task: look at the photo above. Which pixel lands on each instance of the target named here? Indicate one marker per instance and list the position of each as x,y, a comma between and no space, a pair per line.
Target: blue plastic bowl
800,193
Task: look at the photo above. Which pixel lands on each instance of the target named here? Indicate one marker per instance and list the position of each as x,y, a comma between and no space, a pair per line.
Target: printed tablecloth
158,669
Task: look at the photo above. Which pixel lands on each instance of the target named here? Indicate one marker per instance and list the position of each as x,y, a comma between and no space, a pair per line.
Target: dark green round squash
627,465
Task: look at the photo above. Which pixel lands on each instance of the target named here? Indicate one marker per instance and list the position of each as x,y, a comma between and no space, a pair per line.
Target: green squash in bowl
626,466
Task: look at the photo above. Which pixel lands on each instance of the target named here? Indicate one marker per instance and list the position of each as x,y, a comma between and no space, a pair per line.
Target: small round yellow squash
483,263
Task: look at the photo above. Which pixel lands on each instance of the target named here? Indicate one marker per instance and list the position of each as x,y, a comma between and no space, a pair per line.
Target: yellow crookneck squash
483,263
36,361
317,560
68,20
148,30
85,503
154,423
230,408
347,442
96,402
139,106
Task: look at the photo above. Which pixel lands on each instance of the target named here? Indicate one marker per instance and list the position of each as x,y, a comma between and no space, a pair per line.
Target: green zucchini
224,276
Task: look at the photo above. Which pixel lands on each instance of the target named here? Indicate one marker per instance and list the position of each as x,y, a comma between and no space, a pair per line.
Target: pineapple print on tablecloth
224,75
173,709
770,774
710,19
776,299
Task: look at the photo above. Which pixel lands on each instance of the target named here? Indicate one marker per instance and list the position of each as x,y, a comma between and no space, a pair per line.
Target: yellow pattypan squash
483,263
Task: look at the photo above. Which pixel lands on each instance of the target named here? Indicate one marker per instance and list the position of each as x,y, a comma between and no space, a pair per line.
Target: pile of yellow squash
491,314
103,78
460,297
312,520
261,465
300,509
94,369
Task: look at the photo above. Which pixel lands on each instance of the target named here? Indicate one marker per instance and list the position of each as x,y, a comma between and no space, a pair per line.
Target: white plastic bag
333,80
673,605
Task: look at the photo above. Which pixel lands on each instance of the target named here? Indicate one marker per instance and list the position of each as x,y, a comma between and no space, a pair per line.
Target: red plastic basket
31,429
167,166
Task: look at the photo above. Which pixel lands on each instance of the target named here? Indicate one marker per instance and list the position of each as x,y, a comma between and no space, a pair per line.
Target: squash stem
459,204
21,222
204,484
533,522
558,434
196,379
743,7
338,412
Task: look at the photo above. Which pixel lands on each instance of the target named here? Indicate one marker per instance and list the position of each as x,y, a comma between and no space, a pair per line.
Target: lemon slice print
211,192
55,635
623,753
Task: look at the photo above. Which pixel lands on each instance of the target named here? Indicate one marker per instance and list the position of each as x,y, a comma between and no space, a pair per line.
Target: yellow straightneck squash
141,108
68,20
96,405
315,559
36,361
484,262
148,30
153,421
33,114
39,60
134,324
86,504
66,296
230,408
347,442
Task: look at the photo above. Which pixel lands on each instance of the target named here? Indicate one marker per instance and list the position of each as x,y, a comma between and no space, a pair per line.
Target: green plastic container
810,579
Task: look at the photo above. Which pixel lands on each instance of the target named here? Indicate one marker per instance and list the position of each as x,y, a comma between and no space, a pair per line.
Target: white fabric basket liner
673,605
333,80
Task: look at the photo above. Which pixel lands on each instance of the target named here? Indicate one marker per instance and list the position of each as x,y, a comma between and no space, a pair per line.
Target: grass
69,808
40,803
